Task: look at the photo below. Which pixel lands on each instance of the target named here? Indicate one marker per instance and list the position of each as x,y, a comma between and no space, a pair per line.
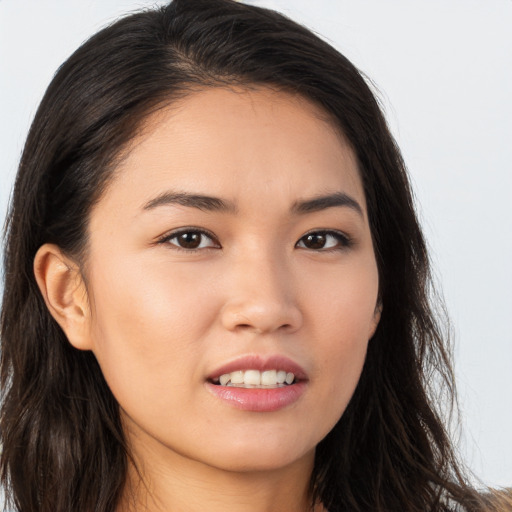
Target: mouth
255,371
256,379
258,383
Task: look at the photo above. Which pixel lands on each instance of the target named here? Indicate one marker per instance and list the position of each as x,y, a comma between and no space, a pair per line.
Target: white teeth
252,377
269,378
224,379
237,377
255,378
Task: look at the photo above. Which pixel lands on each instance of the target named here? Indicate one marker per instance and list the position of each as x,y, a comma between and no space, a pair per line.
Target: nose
261,297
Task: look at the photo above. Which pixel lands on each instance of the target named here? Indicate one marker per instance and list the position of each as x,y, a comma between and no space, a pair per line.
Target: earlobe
64,292
375,320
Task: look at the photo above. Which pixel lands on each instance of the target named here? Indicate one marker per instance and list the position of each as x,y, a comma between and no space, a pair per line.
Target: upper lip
261,363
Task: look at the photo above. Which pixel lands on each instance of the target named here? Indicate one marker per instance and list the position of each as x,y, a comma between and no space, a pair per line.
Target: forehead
238,143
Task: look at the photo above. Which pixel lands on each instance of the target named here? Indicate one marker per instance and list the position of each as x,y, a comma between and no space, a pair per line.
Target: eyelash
343,241
166,239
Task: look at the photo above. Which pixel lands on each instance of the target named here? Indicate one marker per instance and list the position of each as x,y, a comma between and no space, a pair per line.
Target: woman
216,287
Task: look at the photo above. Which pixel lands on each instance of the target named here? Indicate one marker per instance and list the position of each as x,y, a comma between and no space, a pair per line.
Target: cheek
146,328
343,301
131,297
339,372
343,312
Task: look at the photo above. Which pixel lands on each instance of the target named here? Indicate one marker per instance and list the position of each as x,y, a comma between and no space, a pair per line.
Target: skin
161,319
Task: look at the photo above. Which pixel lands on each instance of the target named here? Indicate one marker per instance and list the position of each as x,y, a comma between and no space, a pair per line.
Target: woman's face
232,247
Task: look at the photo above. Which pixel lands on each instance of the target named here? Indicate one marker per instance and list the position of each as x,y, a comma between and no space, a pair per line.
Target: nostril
259,316
259,330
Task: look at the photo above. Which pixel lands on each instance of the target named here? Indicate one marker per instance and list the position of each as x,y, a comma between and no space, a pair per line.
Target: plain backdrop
444,72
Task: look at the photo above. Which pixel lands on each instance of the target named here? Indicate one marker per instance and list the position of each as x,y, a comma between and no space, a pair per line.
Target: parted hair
63,445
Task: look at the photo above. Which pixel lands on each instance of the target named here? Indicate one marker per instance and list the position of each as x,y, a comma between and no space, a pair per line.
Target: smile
258,383
256,379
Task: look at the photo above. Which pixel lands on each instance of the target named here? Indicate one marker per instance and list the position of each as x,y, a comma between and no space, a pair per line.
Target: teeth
256,379
252,377
237,377
224,379
269,378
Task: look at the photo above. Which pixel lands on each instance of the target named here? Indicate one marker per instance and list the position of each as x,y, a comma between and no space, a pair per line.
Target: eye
323,241
191,240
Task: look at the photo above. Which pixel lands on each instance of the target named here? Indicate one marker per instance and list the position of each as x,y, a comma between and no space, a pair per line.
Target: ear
375,320
65,294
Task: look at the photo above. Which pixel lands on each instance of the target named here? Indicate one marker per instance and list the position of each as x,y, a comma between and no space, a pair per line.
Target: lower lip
258,399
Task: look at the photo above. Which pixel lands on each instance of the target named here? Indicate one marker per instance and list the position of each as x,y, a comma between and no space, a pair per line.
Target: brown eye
323,240
191,240
315,241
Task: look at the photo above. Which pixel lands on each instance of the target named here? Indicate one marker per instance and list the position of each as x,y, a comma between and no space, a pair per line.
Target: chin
265,463
261,453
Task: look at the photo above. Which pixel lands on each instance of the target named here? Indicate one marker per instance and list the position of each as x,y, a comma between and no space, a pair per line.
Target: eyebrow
211,203
336,199
200,201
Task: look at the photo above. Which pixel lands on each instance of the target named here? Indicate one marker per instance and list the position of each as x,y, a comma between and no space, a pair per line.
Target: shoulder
499,500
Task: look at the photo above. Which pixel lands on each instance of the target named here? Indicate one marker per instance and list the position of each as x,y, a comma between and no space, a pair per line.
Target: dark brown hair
63,445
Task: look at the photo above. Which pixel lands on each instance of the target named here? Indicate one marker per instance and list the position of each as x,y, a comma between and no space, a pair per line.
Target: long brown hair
63,445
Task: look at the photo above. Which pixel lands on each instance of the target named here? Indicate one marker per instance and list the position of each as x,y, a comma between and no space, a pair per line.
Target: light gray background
444,69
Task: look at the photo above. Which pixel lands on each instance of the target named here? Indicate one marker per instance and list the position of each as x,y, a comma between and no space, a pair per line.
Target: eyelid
188,229
345,241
